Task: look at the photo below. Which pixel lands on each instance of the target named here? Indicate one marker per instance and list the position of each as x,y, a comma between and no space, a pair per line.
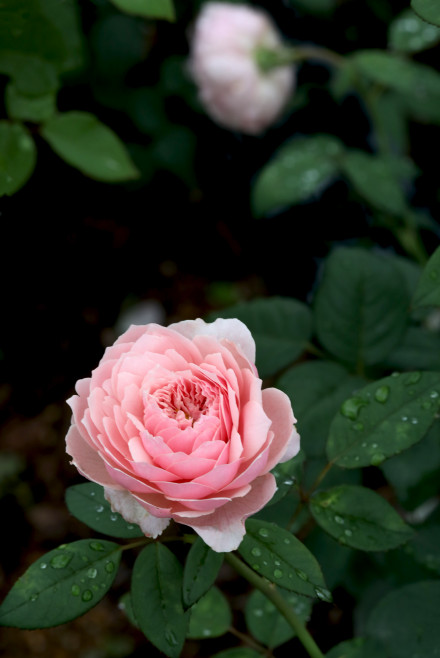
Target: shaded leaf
90,146
282,559
428,290
17,157
359,518
29,108
299,170
383,419
147,8
62,585
210,617
267,625
201,569
429,10
409,33
360,306
157,599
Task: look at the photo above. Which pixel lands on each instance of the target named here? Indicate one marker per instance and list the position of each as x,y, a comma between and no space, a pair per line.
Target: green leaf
147,8
425,548
359,647
406,621
32,76
90,146
17,157
157,599
359,518
280,326
334,559
428,290
299,170
409,33
267,625
45,29
126,605
239,652
87,503
201,569
383,419
419,348
317,389
286,475
210,617
419,84
414,473
62,585
29,108
392,114
282,559
360,306
376,179
429,10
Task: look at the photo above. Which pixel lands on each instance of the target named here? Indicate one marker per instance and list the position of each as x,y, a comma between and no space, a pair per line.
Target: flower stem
270,59
271,592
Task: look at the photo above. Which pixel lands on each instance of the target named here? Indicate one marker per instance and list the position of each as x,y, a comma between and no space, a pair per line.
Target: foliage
359,358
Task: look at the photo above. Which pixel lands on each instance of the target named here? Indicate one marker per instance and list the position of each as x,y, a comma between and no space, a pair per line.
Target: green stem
270,59
271,592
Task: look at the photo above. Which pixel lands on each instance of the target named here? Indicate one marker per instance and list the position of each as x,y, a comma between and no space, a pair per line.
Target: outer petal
285,443
231,329
224,529
124,503
87,460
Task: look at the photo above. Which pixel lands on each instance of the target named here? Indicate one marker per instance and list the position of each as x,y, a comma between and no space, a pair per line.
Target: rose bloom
232,87
174,424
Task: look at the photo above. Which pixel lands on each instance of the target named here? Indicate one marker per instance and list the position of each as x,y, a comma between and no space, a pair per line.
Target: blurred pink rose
232,87
174,424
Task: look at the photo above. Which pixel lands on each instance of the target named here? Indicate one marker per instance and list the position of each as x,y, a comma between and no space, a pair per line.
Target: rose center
183,400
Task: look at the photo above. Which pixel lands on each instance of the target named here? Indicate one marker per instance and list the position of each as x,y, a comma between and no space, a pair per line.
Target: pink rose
174,424
234,90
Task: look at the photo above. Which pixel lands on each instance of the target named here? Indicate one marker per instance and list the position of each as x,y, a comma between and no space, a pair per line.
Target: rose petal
224,529
129,508
87,459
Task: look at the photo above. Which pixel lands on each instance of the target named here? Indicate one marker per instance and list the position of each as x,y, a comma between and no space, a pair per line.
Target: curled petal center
185,401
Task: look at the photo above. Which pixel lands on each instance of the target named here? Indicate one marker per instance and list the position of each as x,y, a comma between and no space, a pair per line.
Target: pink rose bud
232,86
174,424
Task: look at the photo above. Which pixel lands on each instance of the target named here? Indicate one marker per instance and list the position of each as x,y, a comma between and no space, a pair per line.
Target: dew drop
278,573
339,520
171,638
323,594
433,395
96,546
286,540
364,444
288,483
277,563
61,560
62,546
381,394
256,552
374,446
348,532
404,418
92,493
75,590
113,517
130,526
43,565
395,374
301,574
377,459
413,378
263,532
87,595
414,421
358,427
109,567
265,563
206,632
99,508
92,573
258,612
33,598
351,407
256,567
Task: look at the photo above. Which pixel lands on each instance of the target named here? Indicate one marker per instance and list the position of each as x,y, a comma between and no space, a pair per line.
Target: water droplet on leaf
351,407
109,567
339,519
256,552
263,532
377,459
87,595
301,574
75,590
96,546
278,573
171,638
43,565
381,394
323,594
92,573
61,560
